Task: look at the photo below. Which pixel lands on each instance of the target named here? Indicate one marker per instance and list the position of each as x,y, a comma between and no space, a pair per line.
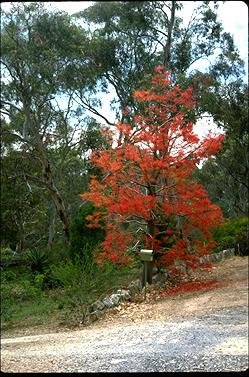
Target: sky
232,14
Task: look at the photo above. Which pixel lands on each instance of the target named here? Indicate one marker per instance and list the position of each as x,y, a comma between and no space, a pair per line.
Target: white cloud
206,125
234,17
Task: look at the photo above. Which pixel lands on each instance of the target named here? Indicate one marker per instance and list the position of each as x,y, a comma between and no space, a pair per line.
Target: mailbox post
146,256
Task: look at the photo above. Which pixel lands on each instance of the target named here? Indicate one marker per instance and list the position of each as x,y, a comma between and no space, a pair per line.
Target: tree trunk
49,180
54,192
47,173
166,53
51,227
20,246
59,204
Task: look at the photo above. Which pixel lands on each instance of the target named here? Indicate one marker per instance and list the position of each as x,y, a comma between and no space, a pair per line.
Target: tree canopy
148,180
56,72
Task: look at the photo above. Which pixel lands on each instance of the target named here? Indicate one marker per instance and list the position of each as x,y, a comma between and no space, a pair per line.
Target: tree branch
93,110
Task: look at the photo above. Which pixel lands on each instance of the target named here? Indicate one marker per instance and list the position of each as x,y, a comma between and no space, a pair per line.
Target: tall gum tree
32,68
147,181
138,36
226,176
41,57
199,53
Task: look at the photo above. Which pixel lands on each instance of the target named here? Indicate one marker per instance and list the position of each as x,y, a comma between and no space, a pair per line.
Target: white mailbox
147,255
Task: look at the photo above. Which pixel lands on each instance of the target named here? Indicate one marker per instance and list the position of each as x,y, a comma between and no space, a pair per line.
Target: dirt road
206,330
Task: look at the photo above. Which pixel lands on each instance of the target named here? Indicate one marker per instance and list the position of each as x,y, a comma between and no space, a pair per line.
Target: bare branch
20,138
10,104
93,110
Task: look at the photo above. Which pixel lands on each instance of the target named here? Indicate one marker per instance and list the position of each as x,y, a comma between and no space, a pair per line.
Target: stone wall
99,307
216,257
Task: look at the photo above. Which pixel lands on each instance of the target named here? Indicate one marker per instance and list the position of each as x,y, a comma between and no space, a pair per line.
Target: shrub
39,281
25,291
7,276
65,274
72,274
84,239
58,252
233,234
6,253
16,295
21,290
10,257
37,260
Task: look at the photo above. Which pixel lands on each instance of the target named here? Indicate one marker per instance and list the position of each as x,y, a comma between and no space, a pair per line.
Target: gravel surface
211,337
213,342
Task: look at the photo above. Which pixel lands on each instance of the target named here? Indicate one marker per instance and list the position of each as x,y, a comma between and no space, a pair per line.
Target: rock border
99,307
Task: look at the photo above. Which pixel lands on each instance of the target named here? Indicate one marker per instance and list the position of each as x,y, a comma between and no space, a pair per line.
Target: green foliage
37,260
67,274
24,302
47,55
225,177
141,36
44,56
7,254
11,258
16,289
233,234
8,276
39,281
58,252
25,291
84,239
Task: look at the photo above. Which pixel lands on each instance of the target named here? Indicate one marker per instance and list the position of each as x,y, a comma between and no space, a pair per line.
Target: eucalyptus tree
42,52
54,68
137,36
226,176
140,35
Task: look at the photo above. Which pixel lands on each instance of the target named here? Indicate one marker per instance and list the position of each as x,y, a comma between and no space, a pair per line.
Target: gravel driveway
215,339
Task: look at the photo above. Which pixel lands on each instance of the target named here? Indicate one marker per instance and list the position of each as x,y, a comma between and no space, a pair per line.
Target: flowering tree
147,180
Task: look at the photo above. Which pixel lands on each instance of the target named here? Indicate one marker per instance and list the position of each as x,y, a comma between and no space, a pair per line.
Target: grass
25,305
